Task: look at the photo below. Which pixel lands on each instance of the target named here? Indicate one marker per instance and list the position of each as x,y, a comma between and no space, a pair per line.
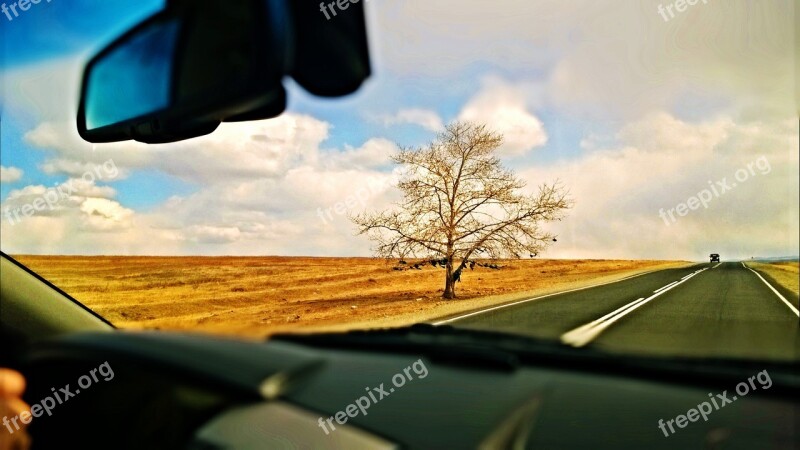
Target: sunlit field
255,297
785,273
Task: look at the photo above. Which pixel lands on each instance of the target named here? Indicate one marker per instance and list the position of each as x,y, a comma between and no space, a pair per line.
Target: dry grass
785,273
257,296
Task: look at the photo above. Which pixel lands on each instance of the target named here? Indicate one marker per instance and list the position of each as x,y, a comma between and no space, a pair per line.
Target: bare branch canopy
460,202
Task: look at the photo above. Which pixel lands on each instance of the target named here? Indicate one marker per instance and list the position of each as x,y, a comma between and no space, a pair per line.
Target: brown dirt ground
254,297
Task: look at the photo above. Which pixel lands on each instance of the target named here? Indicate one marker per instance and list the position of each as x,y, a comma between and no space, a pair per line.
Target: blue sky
631,113
56,28
53,30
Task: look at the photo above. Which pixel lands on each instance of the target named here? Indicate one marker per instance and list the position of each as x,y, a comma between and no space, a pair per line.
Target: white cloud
262,188
424,118
101,214
503,108
233,151
213,235
48,90
375,153
61,199
661,161
661,132
603,58
76,216
10,174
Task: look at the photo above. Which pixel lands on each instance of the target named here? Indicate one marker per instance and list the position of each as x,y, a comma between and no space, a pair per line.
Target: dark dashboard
294,391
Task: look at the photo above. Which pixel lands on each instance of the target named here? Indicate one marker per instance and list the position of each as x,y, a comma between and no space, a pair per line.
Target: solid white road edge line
791,306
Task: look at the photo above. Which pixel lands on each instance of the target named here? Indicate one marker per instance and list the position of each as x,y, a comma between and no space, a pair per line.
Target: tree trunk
449,284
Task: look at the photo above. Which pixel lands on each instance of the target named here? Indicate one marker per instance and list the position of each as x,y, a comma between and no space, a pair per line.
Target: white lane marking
493,308
791,306
664,287
587,329
586,333
690,275
718,264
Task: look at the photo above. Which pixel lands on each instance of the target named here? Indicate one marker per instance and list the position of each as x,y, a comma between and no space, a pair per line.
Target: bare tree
460,202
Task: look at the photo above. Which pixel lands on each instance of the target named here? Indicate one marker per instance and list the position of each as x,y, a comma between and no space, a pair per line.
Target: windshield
614,175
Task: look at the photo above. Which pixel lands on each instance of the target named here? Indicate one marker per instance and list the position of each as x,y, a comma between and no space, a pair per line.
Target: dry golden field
258,296
785,273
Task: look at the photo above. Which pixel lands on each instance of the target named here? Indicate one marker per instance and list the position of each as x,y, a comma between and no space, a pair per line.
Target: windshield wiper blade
445,344
498,350
440,345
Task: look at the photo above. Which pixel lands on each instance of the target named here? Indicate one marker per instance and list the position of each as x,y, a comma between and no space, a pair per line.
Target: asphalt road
707,310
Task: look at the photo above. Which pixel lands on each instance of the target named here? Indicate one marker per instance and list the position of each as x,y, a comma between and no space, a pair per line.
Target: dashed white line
791,306
586,333
593,328
692,274
664,287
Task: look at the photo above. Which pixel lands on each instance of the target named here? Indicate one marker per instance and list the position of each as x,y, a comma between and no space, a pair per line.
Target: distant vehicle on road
715,257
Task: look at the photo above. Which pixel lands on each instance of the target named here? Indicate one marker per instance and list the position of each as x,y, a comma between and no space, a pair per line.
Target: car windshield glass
621,176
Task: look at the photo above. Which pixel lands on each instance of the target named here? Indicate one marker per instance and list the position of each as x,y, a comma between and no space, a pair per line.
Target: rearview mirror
181,72
198,63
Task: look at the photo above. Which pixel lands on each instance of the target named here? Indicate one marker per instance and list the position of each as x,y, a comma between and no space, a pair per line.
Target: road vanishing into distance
724,310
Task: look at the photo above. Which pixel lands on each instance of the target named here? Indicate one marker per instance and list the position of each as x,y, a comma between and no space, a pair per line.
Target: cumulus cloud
661,132
213,235
10,174
686,102
234,151
34,214
424,118
375,153
605,58
262,187
661,161
101,214
502,107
